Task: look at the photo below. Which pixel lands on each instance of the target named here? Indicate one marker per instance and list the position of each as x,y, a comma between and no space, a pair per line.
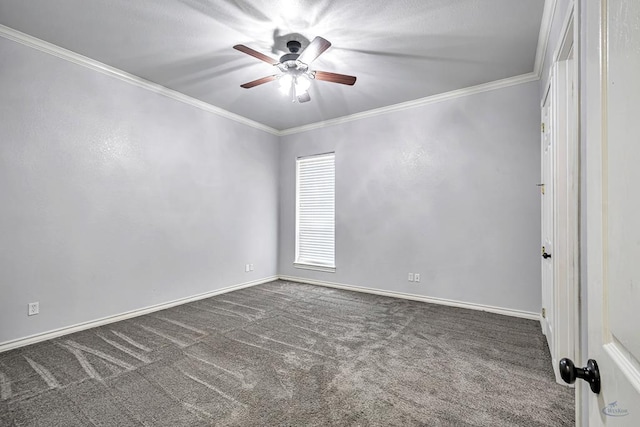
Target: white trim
46,47
43,46
563,129
485,87
32,339
433,300
326,269
567,35
548,14
625,362
567,22
543,40
577,280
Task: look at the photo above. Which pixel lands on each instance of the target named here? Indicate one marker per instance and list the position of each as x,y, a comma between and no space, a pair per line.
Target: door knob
590,373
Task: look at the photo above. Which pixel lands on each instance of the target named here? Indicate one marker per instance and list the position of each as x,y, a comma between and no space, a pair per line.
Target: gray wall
446,190
114,198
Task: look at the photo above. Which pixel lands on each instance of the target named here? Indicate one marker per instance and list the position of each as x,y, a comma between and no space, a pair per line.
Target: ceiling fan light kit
295,75
294,85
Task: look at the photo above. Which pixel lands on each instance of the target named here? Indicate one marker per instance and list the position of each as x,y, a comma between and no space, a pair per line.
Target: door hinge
542,127
544,313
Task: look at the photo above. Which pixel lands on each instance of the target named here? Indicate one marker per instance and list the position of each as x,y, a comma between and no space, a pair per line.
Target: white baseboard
32,339
414,297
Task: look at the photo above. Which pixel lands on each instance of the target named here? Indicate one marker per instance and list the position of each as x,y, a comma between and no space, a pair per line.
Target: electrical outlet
411,277
34,308
250,267
246,268
416,277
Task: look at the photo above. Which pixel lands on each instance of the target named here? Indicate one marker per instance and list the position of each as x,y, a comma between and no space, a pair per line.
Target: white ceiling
400,50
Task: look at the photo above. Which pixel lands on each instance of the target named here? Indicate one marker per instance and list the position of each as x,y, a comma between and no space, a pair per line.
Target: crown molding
46,47
543,40
485,87
548,14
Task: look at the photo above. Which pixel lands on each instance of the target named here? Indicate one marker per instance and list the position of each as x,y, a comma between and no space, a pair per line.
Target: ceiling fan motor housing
294,46
289,59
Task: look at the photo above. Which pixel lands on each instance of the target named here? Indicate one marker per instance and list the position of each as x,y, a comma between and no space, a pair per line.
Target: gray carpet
285,354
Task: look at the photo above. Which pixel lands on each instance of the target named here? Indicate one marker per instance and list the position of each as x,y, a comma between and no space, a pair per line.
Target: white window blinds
315,212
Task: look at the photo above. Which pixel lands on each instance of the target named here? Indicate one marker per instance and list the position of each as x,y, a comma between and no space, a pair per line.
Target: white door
612,123
546,195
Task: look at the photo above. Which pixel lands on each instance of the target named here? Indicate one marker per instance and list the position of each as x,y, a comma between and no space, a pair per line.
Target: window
315,212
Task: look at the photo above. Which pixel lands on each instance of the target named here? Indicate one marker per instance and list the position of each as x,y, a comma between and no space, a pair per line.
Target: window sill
326,269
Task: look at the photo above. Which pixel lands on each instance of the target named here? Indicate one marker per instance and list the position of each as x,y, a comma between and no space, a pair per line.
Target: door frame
566,192
546,191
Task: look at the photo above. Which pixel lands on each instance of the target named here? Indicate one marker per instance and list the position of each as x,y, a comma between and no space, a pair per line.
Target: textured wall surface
447,190
114,198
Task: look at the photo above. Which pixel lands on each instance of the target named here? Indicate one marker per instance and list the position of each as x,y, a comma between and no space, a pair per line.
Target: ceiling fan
295,77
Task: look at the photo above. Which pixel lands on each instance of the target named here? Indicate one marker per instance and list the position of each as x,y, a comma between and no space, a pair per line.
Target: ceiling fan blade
335,78
244,49
305,97
315,49
257,82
